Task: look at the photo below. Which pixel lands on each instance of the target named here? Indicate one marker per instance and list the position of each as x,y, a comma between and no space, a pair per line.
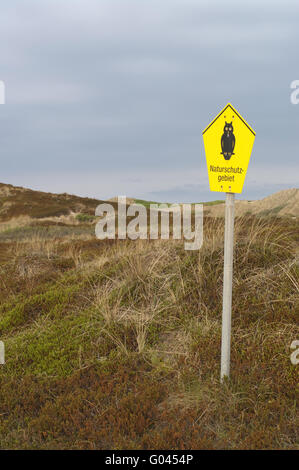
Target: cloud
115,87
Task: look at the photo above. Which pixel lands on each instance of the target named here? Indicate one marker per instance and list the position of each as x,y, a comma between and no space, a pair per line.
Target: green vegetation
148,203
116,344
85,218
273,211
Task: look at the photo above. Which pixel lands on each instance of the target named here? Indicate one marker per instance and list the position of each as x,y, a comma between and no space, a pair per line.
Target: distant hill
283,203
18,202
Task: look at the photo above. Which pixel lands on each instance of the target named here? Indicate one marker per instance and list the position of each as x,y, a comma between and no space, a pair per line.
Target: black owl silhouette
228,141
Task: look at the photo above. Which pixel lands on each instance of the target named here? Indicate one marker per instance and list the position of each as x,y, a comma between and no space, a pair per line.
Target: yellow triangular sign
228,142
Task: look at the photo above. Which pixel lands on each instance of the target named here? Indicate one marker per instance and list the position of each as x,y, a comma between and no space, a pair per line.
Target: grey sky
110,97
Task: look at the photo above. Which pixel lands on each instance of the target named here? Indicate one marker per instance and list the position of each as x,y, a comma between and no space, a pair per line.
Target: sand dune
283,203
19,202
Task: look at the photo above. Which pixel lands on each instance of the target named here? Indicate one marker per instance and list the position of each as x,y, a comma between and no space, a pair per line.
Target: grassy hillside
17,201
116,344
283,204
